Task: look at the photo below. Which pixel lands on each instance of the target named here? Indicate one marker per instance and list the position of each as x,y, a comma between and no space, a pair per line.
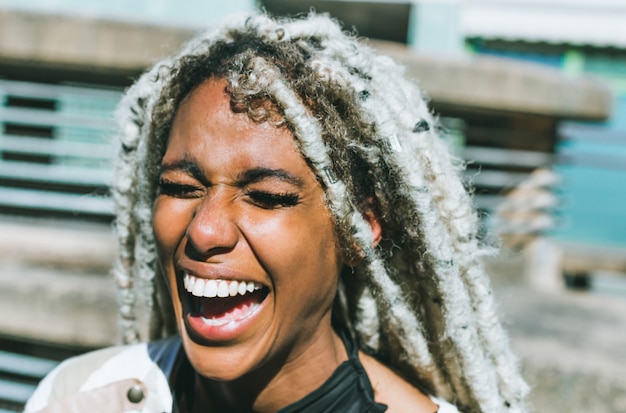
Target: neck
279,383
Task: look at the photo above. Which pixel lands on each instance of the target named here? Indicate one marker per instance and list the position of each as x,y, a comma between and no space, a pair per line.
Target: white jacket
122,379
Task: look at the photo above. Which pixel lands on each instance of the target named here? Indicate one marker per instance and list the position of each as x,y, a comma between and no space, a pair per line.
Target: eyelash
270,200
177,190
263,199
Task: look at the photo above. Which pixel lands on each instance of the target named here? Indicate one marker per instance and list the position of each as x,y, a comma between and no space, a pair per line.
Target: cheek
300,252
169,223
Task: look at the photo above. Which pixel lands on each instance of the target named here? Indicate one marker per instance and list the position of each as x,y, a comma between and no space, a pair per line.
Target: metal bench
19,375
55,152
492,172
489,171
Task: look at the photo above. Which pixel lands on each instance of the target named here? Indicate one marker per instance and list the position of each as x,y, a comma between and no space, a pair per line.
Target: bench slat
488,202
54,147
23,365
56,201
494,179
15,392
507,157
47,91
59,174
48,118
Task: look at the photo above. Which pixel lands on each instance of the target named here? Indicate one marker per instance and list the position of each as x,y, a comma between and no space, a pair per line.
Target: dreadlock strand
461,224
309,136
123,191
390,125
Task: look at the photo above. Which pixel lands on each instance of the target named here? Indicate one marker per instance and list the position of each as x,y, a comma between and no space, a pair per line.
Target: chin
226,362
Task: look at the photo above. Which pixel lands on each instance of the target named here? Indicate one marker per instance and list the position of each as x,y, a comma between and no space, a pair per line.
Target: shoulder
397,393
112,370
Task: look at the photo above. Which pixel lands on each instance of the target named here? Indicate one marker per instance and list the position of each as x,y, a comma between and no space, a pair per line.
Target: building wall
593,154
182,13
597,22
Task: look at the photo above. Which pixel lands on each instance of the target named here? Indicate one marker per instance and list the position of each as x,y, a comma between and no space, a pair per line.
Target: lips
220,309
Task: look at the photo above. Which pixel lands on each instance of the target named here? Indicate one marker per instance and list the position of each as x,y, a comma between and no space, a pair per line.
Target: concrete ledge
58,306
68,41
55,282
78,43
86,247
504,85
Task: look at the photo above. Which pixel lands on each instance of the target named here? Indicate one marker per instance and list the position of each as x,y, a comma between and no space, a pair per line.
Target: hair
420,301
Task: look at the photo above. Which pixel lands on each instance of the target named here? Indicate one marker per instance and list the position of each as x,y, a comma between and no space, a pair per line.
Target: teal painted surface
187,13
554,60
594,184
618,120
593,206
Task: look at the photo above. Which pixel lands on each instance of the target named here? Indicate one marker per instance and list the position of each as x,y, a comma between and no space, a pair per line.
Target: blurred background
532,93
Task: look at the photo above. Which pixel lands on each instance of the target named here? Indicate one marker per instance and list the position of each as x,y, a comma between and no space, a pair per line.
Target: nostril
200,254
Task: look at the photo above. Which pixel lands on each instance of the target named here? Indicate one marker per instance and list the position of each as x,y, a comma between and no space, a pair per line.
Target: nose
212,230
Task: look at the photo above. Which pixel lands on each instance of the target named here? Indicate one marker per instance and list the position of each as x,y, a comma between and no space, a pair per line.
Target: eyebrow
184,165
247,177
259,174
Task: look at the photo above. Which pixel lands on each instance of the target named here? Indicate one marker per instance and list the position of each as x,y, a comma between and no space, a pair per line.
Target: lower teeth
228,318
213,322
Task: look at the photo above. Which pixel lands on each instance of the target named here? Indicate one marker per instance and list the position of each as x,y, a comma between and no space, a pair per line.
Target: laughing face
245,239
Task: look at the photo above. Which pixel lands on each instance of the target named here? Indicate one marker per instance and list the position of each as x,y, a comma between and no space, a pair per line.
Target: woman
289,217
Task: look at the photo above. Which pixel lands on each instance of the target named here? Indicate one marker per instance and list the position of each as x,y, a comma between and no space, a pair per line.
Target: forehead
213,100
206,127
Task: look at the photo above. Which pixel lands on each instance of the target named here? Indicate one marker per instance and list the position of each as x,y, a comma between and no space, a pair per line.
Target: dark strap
347,390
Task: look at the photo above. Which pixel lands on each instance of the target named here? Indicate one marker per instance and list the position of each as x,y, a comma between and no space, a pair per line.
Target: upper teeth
218,288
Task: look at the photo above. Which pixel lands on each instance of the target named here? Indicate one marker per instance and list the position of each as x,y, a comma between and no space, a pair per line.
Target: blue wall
593,190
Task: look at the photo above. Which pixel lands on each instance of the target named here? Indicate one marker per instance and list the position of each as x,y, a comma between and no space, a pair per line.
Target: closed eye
271,200
178,190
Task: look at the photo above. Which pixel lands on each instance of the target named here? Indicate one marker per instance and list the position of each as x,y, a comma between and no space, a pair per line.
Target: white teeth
200,287
222,289
233,288
210,288
215,322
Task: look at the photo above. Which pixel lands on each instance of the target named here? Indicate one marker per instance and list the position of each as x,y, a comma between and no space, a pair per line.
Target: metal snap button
135,394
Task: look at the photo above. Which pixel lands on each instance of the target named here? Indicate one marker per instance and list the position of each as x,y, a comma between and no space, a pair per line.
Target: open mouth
219,302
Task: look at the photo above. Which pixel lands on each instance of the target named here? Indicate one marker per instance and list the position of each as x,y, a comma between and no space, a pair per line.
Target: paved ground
572,344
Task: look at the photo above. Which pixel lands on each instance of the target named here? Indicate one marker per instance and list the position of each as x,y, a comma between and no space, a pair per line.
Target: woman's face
244,238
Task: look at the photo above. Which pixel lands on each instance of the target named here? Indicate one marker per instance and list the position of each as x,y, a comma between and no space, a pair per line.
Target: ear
372,218
374,221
